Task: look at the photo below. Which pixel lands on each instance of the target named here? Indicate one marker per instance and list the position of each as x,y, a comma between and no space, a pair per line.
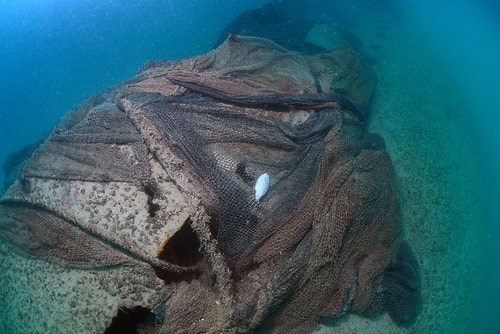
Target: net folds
162,170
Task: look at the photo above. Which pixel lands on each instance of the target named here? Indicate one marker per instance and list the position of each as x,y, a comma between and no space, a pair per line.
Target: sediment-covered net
181,146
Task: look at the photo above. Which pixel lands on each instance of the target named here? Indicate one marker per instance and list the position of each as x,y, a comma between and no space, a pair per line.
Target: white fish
261,186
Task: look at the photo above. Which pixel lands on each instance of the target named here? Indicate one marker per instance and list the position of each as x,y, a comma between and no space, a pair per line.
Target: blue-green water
55,53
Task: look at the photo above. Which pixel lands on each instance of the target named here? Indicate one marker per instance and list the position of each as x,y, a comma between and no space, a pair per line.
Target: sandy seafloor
417,110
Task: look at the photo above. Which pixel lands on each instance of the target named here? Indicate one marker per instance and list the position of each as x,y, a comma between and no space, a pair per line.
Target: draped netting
162,169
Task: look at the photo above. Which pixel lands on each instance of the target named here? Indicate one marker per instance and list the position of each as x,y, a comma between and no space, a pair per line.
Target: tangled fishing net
161,171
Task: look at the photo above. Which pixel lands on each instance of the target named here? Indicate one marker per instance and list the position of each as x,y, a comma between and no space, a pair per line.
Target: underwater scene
230,166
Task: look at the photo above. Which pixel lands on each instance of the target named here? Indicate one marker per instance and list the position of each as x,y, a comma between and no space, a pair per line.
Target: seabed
417,109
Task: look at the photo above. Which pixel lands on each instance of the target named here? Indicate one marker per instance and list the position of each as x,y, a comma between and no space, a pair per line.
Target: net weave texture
183,144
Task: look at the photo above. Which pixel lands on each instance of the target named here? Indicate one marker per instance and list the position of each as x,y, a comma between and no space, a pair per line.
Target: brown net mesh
185,143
